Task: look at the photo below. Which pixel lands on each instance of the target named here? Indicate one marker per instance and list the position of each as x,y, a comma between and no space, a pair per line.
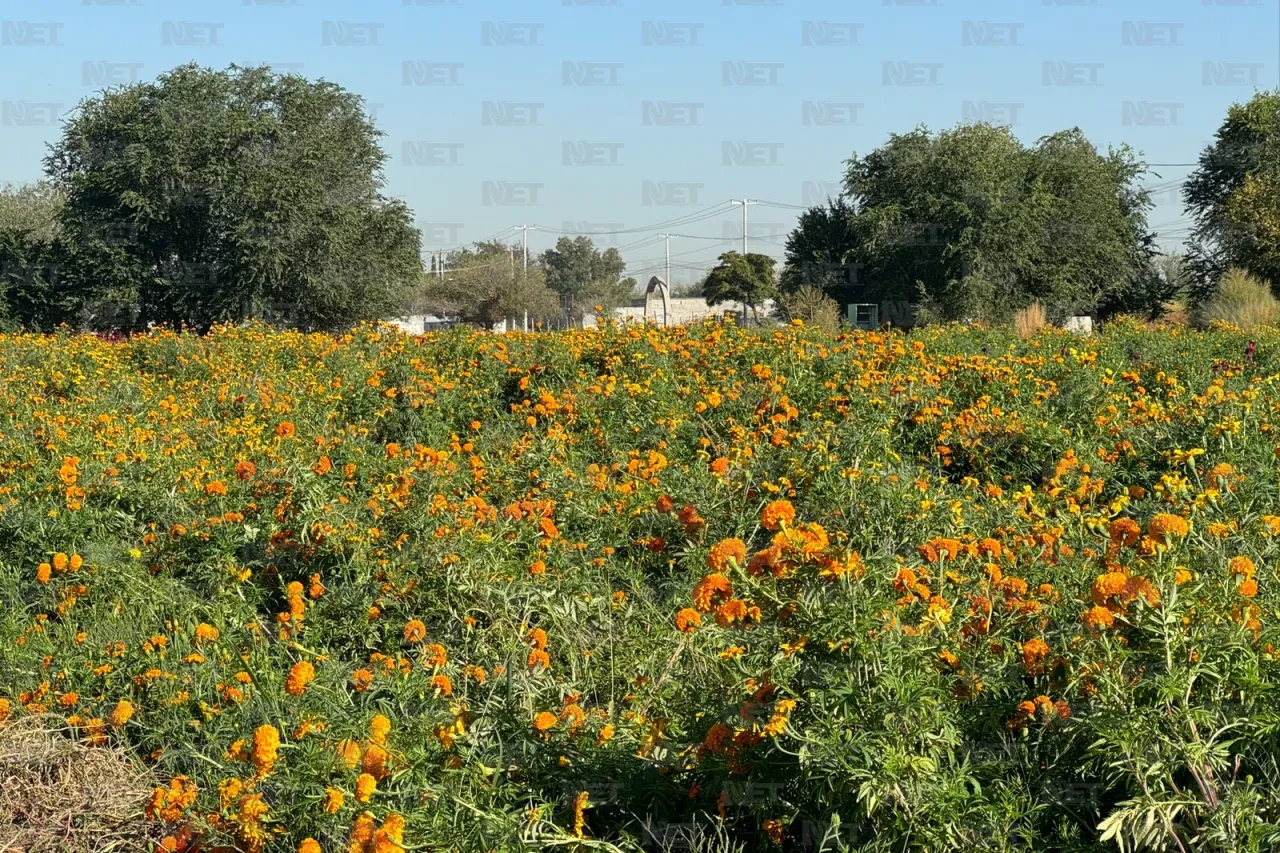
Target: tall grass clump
1242,300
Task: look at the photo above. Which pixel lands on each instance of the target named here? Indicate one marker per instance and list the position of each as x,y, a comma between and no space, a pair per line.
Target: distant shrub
1242,300
814,307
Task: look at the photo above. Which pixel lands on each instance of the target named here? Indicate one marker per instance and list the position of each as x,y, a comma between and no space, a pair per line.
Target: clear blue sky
463,170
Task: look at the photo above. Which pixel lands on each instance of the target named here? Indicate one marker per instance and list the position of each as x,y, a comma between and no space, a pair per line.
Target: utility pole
524,229
746,202
440,265
666,281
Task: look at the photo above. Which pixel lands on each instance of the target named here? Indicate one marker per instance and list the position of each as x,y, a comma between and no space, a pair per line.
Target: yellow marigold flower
333,799
365,786
349,753
309,845
206,633
301,674
379,727
121,713
44,572
605,735
579,814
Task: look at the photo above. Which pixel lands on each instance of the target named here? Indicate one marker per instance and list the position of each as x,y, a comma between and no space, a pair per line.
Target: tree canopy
486,283
214,196
748,279
971,223
585,276
1234,198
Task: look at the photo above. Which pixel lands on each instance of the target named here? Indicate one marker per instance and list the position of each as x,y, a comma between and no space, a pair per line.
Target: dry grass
57,794
1029,320
1241,300
814,307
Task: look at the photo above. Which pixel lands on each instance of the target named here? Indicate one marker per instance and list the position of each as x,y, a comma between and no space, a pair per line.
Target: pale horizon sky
646,116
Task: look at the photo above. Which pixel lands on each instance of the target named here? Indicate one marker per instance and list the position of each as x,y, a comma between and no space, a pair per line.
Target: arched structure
657,284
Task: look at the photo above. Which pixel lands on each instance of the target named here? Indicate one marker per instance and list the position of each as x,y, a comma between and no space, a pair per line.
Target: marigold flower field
617,588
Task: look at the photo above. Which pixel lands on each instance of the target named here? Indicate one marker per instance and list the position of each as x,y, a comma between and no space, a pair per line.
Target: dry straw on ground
57,794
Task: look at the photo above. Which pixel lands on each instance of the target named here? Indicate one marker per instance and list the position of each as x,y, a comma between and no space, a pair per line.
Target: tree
215,196
748,279
584,276
485,285
816,252
970,223
1234,198
33,258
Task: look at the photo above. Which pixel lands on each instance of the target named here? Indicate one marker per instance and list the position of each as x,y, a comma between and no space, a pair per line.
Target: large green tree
748,279
1234,198
585,276
214,196
971,223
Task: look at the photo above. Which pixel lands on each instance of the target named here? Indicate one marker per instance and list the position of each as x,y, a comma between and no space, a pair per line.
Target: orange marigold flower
1249,588
44,572
365,786
687,620
724,551
309,845
442,684
206,633
1166,526
375,761
333,799
1124,532
362,679
266,748
301,674
1099,618
286,429
709,590
720,465
545,721
538,657
1242,566
245,469
1107,585
777,514
415,631
1034,653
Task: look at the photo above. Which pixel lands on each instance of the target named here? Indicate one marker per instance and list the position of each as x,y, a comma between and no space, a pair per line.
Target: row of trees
490,281
971,223
215,196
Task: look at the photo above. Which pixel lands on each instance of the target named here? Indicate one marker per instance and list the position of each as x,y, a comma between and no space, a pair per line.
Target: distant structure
656,284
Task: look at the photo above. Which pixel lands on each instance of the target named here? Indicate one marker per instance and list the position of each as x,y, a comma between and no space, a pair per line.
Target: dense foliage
970,223
1234,197
952,591
215,196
